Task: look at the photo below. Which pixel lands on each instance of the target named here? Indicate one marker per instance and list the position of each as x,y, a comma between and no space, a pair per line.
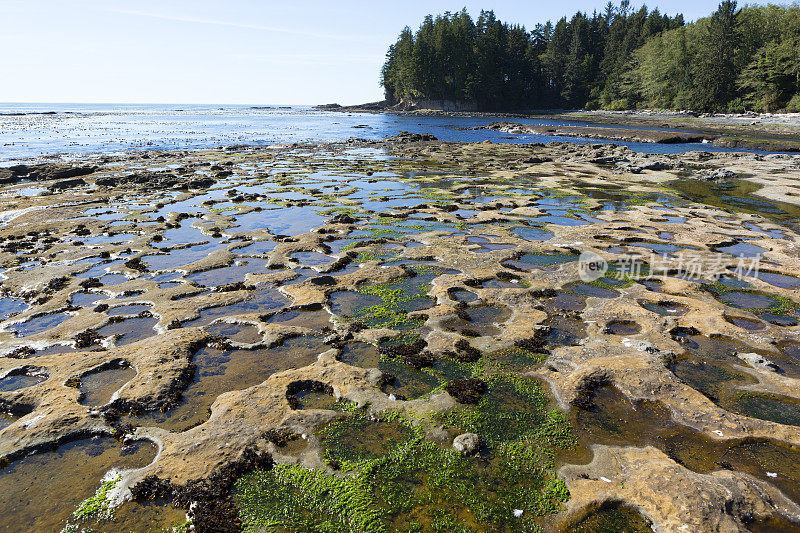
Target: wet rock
673,497
717,174
333,338
419,360
465,352
596,132
208,501
343,218
235,286
67,184
584,393
758,361
51,171
404,349
19,170
23,352
537,343
680,331
406,137
305,385
280,436
534,160
90,283
658,165
87,338
467,390
467,443
155,180
323,281
136,264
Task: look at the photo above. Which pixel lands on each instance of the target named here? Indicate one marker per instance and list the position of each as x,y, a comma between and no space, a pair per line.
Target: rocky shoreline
749,131
594,132
425,284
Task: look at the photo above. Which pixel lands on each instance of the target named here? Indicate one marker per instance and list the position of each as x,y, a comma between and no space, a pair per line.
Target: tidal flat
400,335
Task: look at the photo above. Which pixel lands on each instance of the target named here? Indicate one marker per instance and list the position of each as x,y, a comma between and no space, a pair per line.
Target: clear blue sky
226,51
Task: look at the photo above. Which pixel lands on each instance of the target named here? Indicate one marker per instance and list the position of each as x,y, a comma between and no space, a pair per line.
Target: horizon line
2,102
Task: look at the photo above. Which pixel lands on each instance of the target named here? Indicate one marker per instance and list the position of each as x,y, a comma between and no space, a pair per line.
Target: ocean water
29,131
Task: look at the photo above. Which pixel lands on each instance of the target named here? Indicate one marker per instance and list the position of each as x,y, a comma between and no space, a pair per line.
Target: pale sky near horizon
229,52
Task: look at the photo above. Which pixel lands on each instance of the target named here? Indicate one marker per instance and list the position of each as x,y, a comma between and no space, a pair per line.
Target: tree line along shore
735,60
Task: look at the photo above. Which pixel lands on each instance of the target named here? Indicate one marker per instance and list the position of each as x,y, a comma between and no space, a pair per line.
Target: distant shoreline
759,131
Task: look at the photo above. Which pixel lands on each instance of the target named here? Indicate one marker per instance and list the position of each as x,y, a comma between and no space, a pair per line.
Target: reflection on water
220,371
613,420
41,491
110,127
737,195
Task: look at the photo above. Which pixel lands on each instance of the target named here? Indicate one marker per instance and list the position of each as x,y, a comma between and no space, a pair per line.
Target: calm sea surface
33,130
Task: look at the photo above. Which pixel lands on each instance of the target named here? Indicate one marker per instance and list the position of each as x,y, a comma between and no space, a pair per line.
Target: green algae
378,254
612,518
397,480
618,282
387,476
398,299
97,506
408,383
357,438
514,359
513,412
783,305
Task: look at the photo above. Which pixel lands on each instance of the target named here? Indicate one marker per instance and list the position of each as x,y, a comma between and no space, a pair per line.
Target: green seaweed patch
453,369
338,210
307,500
98,506
786,306
224,209
640,198
372,255
409,383
620,281
356,438
405,338
409,484
514,412
344,405
513,359
383,316
437,195
783,306
629,271
612,518
385,221
398,299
